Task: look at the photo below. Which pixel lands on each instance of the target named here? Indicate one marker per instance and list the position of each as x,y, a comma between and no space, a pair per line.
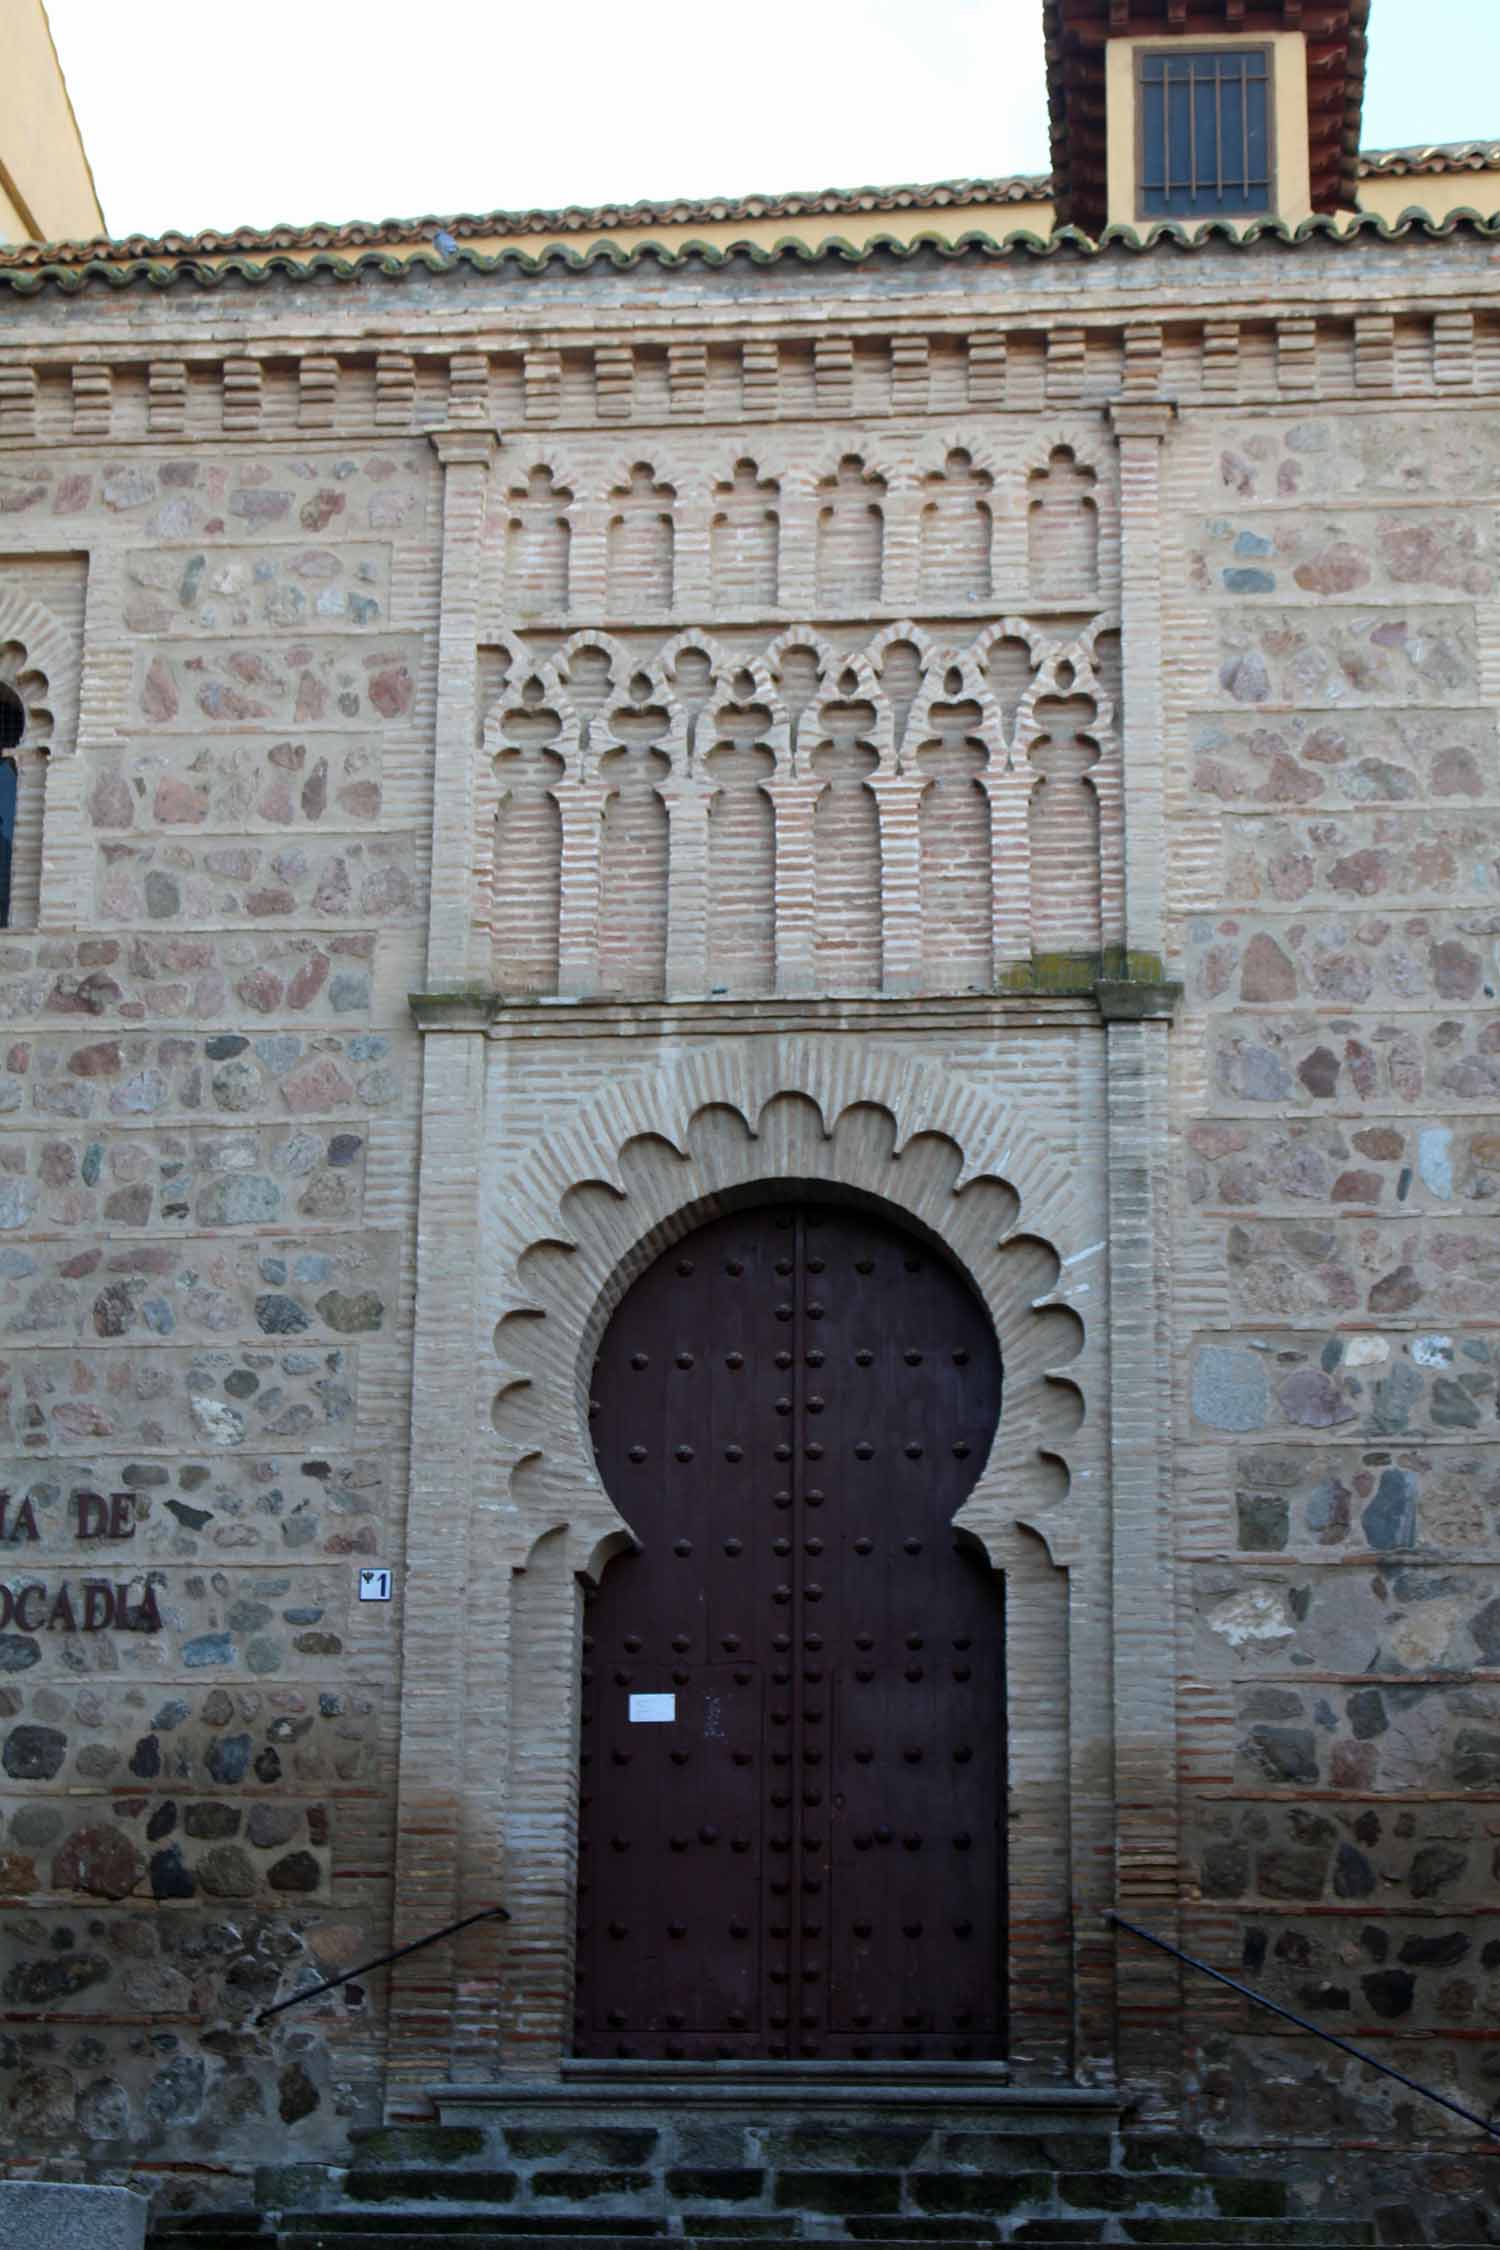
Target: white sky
198,114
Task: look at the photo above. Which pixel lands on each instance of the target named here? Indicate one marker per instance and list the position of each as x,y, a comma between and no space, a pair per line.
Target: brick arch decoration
40,664
569,1221
938,446
593,1207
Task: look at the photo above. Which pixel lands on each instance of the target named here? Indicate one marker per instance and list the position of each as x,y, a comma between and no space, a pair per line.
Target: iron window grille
1204,132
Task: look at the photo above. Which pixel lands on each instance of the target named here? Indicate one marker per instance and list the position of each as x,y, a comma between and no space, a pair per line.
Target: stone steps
479,2231
991,2193
860,2166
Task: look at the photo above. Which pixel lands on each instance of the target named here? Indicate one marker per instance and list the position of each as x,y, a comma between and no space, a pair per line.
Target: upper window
1205,140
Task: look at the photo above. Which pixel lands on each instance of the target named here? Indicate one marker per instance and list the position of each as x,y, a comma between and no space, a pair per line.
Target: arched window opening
12,727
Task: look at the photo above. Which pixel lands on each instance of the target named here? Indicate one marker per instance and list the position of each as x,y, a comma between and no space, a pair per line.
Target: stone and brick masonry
782,719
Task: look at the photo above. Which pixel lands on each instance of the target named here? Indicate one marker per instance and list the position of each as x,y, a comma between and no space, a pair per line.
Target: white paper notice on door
652,1710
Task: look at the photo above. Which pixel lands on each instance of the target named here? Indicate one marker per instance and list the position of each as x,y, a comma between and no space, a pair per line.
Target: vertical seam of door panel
797,1635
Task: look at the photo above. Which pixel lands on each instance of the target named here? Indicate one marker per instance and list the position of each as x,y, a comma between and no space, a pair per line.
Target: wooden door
793,1750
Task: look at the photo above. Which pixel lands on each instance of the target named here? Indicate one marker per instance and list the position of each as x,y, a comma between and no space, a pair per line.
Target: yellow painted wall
46,187
1292,199
856,227
1440,194
1437,194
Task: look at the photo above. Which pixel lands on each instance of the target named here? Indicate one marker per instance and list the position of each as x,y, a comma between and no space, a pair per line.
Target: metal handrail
331,1984
1331,2039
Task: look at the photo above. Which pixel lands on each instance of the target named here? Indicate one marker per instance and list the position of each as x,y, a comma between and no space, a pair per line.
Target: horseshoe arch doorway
792,1777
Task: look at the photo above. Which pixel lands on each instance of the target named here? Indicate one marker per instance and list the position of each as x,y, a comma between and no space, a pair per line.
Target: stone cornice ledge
475,446
467,1009
498,1015
1142,417
1137,999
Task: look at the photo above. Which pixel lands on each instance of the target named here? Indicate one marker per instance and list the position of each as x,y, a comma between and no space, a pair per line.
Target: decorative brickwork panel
916,820
745,540
640,545
633,848
1062,527
741,848
957,871
850,535
1065,829
537,540
846,846
528,847
955,534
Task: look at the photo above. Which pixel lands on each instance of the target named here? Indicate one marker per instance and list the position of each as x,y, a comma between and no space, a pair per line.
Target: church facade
749,1137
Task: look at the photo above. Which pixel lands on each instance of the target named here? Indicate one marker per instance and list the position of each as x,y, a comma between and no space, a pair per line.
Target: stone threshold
798,2086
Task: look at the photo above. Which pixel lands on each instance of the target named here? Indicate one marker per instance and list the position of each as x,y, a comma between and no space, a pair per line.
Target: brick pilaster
430,1859
467,457
1140,429
1136,1016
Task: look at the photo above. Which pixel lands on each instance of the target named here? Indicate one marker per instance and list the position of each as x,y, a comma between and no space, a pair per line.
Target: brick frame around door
574,1195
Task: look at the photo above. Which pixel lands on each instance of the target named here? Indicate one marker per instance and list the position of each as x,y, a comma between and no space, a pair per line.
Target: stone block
1250,2199
67,2217
1343,757
1067,2231
178,977
1128,2191
581,2144
428,2183
182,684
418,2144
1348,960
904,2228
1362,457
584,2186
842,2147
1448,550
1003,2152
715,2184
1315,658
257,589
1394,1385
738,2226
1163,2152
833,2193
991,2192
235,882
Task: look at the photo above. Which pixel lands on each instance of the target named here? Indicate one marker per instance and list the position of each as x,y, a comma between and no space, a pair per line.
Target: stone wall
1336,924
790,721
207,1131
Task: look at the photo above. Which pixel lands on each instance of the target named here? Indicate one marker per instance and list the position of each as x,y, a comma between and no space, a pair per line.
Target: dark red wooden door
793,1767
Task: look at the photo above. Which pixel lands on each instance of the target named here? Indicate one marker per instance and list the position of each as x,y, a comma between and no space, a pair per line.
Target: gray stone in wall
65,2217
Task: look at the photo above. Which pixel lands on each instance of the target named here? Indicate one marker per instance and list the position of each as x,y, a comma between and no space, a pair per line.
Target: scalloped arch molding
47,675
631,1170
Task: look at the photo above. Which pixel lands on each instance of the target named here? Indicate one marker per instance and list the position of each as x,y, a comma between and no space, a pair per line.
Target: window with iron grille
1205,132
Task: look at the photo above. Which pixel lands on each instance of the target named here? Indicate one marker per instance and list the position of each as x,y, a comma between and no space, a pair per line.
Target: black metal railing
383,1961
1329,2038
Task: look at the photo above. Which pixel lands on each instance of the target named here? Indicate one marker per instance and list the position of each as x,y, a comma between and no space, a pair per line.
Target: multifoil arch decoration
39,666
42,668
635,1168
